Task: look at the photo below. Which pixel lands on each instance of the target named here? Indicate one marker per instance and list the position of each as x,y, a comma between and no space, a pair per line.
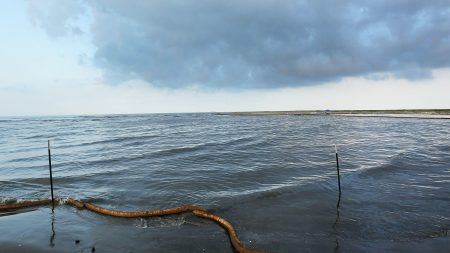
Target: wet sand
72,230
23,248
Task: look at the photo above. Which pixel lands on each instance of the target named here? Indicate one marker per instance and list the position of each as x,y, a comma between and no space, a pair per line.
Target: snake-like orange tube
169,211
198,211
230,230
25,204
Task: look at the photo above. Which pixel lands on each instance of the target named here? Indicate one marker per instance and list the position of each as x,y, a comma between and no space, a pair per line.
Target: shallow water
273,177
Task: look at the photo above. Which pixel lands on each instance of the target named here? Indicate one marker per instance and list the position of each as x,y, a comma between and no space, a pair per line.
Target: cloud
259,44
58,18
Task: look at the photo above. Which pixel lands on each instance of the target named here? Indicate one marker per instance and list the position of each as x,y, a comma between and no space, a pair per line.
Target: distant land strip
402,113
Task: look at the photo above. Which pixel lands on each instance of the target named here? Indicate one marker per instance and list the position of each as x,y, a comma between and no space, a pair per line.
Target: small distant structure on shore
327,111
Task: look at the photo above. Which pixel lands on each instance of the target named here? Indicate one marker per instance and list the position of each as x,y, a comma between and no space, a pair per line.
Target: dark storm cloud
270,43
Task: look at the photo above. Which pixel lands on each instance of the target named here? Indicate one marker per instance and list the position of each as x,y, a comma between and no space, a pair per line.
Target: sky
69,57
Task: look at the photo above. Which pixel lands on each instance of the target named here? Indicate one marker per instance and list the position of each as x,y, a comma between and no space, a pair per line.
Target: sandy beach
420,113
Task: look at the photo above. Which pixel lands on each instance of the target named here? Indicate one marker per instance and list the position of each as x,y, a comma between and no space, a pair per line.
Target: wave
12,200
139,140
74,177
169,152
29,159
444,148
381,169
42,136
113,140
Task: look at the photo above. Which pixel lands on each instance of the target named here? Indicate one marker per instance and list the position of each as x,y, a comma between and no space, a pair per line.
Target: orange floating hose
25,204
198,211
149,213
230,230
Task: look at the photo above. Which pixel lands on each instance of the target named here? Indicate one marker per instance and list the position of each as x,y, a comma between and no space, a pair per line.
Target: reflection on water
52,237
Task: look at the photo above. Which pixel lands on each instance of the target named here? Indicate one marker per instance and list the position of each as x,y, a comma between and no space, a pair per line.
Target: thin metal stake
338,173
51,176
337,168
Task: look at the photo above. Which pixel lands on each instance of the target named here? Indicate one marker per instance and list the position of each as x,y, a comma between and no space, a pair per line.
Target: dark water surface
273,177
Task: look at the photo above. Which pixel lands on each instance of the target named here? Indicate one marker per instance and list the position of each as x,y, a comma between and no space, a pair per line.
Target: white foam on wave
158,222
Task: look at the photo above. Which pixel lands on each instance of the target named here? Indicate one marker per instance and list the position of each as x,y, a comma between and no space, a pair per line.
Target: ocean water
273,177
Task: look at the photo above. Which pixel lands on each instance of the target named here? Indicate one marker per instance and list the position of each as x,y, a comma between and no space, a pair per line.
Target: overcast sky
116,56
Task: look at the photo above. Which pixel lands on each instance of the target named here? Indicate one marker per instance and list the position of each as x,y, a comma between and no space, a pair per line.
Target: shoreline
419,114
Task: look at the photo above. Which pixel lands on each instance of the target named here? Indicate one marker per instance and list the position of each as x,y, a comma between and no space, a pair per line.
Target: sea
273,177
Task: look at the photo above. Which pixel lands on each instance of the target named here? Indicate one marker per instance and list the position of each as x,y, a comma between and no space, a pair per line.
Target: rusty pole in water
338,174
51,176
337,168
